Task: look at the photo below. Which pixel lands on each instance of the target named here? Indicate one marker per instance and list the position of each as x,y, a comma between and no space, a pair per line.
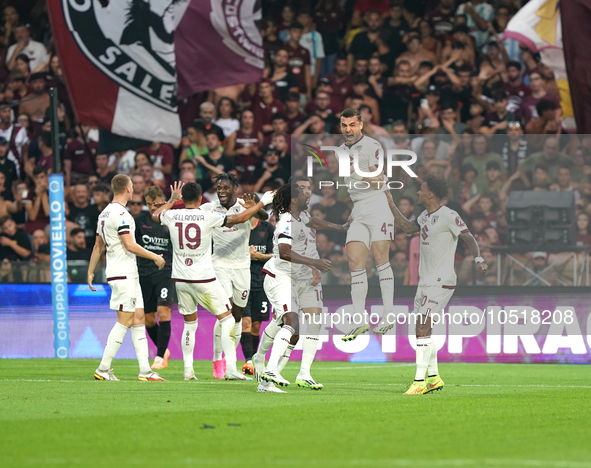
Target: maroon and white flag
219,43
118,59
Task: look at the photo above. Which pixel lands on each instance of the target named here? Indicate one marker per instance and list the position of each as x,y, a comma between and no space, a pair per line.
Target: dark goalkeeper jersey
262,238
154,237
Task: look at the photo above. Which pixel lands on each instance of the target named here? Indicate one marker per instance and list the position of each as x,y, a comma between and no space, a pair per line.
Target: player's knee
255,328
163,314
246,325
150,320
294,340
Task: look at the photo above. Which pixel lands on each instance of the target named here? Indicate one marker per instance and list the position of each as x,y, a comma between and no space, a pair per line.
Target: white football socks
280,344
267,337
238,332
227,341
285,358
217,341
433,369
114,341
188,344
423,355
310,345
359,291
386,276
140,344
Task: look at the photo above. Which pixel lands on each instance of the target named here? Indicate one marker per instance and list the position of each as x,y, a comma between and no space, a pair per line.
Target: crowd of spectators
433,76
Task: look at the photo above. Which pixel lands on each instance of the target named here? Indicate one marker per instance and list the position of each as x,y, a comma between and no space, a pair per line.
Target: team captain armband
284,239
123,229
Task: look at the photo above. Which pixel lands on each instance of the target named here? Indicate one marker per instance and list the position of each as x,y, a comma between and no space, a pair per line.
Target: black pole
55,131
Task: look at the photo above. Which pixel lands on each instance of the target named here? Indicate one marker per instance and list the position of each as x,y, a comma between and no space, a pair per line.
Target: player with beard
439,228
296,265
157,287
231,260
371,229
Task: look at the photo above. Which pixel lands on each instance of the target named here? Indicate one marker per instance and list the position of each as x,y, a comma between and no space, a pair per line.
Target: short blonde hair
119,183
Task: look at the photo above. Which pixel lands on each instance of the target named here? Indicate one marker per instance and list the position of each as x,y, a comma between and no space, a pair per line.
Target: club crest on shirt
131,42
188,262
434,219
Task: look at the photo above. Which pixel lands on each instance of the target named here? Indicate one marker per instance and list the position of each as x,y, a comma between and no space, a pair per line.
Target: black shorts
258,307
157,290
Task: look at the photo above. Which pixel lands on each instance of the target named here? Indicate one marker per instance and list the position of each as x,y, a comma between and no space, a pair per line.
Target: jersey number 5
193,240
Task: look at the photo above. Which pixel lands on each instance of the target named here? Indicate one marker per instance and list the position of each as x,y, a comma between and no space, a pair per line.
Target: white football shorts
209,294
126,294
236,283
372,221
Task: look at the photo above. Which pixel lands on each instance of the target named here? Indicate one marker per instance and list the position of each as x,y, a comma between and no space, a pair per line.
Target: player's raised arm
322,224
248,201
409,227
289,255
469,239
249,212
175,196
97,251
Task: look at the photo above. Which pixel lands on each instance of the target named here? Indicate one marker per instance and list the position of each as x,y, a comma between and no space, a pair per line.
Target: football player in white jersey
439,228
293,273
191,232
116,233
231,260
372,228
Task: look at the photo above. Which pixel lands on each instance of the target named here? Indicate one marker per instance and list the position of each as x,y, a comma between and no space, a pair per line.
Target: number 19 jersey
191,233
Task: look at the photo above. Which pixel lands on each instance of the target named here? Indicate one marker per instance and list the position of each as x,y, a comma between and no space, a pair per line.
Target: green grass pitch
53,413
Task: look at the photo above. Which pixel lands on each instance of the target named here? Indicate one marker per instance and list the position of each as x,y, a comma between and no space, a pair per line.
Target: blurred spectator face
476,109
469,177
280,125
403,70
295,34
464,77
80,193
9,227
540,176
551,148
492,51
360,67
102,161
432,99
3,150
272,158
10,15
401,241
413,45
329,191
41,179
213,142
399,130
135,205
513,73
489,257
92,181
318,213
492,235
360,88
429,150
39,238
79,241
493,174
395,12
207,112
100,197
374,21
317,127
265,90
188,176
187,166
305,19
279,142
480,145
375,66
21,34
485,204
365,114
281,58
424,29
55,65
539,262
514,128
322,101
400,258
583,222
340,67
191,135
22,66
322,243
226,109
356,103
501,105
5,116
478,225
147,172
139,184
536,82
247,119
564,177
405,207
23,120
287,14
38,85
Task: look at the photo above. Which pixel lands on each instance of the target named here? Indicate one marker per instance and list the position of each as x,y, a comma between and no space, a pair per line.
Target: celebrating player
156,285
372,229
192,269
231,259
439,228
296,265
115,233
257,308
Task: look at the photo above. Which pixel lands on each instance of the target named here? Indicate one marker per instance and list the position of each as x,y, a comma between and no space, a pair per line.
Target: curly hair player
439,228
